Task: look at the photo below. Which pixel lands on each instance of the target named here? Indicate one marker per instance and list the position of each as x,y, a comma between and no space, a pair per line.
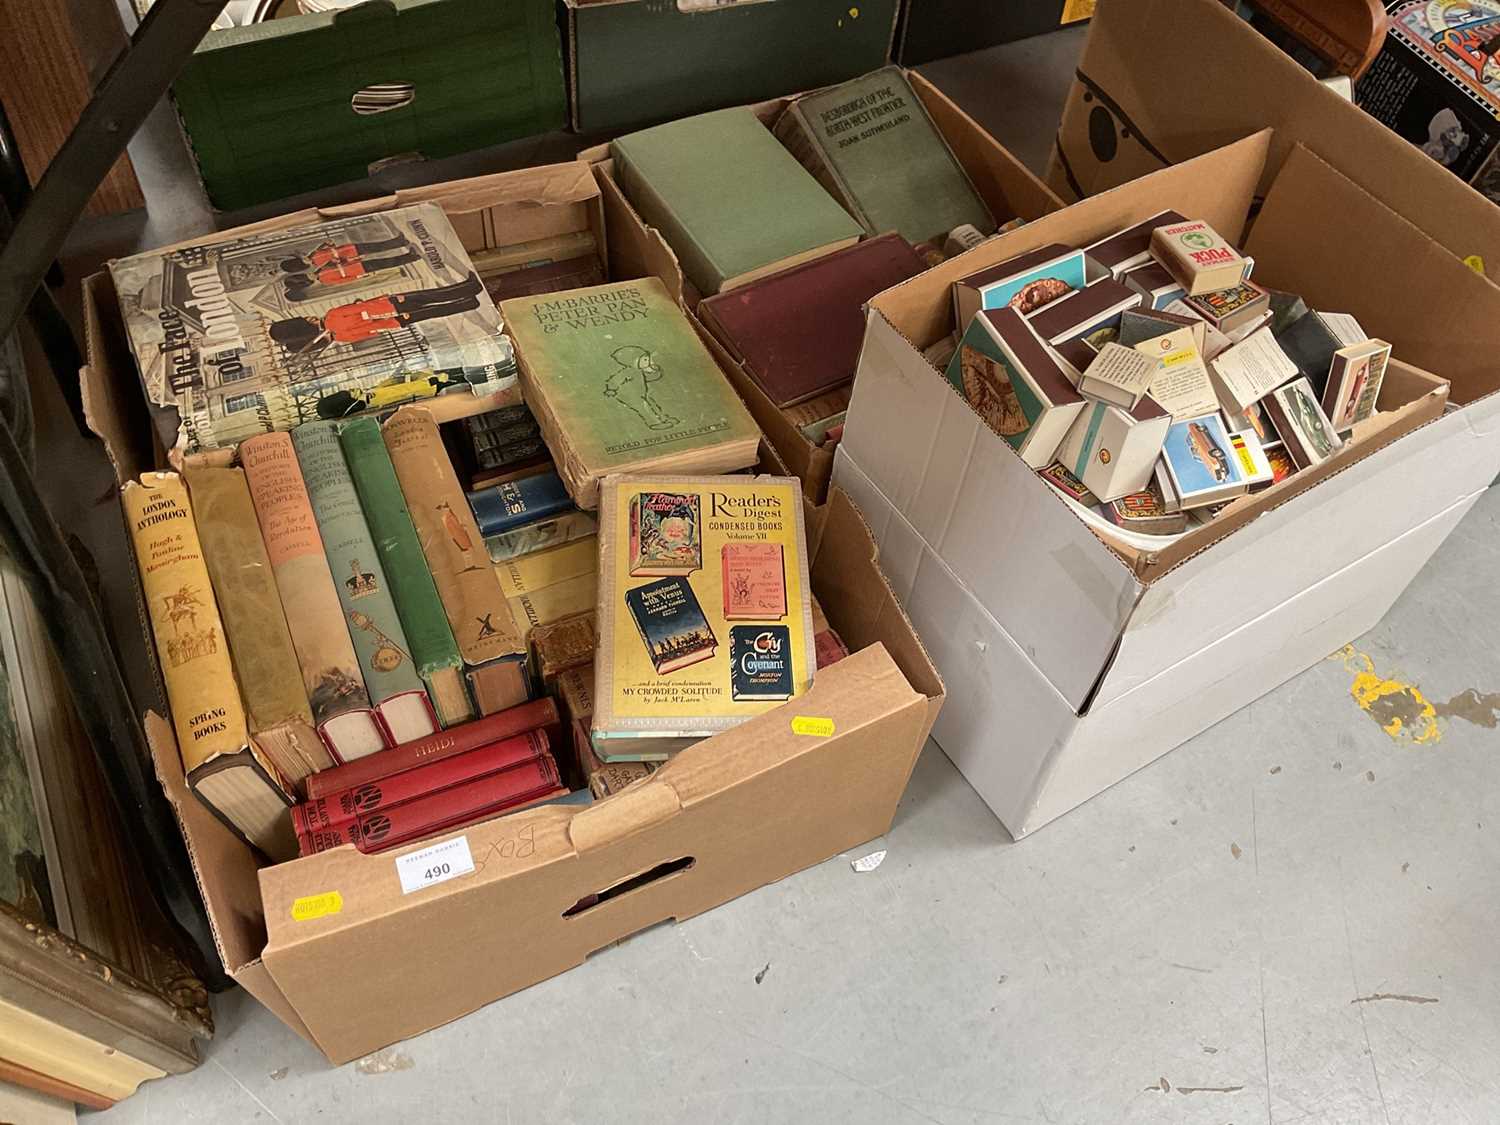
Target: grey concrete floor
1290,918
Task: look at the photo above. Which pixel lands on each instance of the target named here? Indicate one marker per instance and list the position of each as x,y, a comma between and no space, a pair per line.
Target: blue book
505,507
671,624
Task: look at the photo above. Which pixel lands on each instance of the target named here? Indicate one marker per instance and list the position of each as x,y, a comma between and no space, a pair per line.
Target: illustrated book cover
684,656
664,539
620,382
256,334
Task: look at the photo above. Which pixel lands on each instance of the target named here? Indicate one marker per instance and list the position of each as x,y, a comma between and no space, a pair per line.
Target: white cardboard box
1071,664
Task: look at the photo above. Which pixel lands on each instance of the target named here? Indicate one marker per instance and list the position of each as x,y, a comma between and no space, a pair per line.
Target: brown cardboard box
1128,114
1009,188
335,949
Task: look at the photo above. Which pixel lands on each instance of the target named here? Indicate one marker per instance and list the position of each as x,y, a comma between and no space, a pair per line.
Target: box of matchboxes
375,610
1316,456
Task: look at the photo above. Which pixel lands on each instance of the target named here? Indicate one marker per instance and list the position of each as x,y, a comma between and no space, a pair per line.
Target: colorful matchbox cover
1024,283
1200,462
686,655
1305,430
1199,257
1354,382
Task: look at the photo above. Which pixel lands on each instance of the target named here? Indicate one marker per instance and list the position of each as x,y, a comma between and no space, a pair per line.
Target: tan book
223,766
575,691
260,643
455,551
563,646
330,669
552,603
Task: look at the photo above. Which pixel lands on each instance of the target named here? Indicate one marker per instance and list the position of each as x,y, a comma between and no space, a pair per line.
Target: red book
434,747
442,773
440,811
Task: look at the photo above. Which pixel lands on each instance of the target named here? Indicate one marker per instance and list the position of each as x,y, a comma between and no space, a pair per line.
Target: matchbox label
1201,244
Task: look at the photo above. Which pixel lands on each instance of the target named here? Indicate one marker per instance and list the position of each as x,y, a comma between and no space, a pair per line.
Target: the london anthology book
724,635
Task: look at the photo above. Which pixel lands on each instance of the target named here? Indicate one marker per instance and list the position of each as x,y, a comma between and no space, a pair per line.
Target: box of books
290,103
797,384
1107,638
381,635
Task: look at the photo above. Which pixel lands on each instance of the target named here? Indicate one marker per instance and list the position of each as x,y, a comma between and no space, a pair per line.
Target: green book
620,382
871,143
380,643
433,648
733,204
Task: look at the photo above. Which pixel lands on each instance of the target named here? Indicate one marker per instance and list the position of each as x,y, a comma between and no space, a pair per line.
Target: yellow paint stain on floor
1399,708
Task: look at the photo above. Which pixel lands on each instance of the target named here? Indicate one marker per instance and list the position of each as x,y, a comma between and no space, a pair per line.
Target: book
505,507
1091,314
664,538
531,573
664,671
828,646
1200,462
1126,250
235,337
487,638
345,805
797,333
1015,384
1181,384
1118,375
1198,257
870,142
223,767
605,779
1113,450
620,382
517,256
575,691
532,460
1305,430
396,691
335,689
1144,512
754,580
1229,309
563,646
547,604
728,198
538,536
544,277
1025,283
1354,381
255,627
446,809
434,652
538,714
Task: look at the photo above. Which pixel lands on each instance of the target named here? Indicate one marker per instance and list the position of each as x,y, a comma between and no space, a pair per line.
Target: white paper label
869,862
1254,368
434,865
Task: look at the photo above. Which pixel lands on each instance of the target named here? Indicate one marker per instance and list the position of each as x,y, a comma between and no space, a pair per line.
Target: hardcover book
754,581
1201,464
870,142
325,653
380,643
620,382
672,668
1354,382
664,539
566,528
260,644
729,199
222,765
564,646
433,649
260,333
1198,256
530,574
798,333
1015,384
1305,430
546,605
505,507
604,779
1024,283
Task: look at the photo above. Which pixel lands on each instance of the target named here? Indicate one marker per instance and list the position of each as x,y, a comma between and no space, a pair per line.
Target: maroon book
437,812
535,715
798,332
349,804
549,277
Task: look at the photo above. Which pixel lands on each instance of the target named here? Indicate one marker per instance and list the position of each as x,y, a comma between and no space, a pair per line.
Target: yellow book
223,767
554,602
529,573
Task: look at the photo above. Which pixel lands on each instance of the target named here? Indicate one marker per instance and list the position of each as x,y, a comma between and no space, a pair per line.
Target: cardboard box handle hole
382,97
625,886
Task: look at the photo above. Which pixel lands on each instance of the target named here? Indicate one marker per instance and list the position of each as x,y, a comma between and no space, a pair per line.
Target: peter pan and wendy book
240,336
620,382
705,612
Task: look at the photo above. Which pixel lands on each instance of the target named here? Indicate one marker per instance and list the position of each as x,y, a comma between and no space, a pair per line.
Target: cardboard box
935,29
1006,185
1127,115
333,947
268,109
1077,663
633,63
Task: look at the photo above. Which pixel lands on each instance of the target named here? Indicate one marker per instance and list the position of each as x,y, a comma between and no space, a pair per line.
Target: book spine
557,532
260,644
437,812
416,597
450,539
201,690
325,654
349,804
504,507
793,131
536,715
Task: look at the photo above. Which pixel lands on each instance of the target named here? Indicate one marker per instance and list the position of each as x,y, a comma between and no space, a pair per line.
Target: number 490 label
434,865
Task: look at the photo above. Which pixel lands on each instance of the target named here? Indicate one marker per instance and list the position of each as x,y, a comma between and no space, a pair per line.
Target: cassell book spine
539,714
417,603
260,643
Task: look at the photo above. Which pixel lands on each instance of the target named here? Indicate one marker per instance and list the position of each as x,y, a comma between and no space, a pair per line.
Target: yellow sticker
1475,263
308,907
808,724
1075,10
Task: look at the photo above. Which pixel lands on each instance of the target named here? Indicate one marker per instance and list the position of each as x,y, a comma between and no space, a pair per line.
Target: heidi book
684,656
